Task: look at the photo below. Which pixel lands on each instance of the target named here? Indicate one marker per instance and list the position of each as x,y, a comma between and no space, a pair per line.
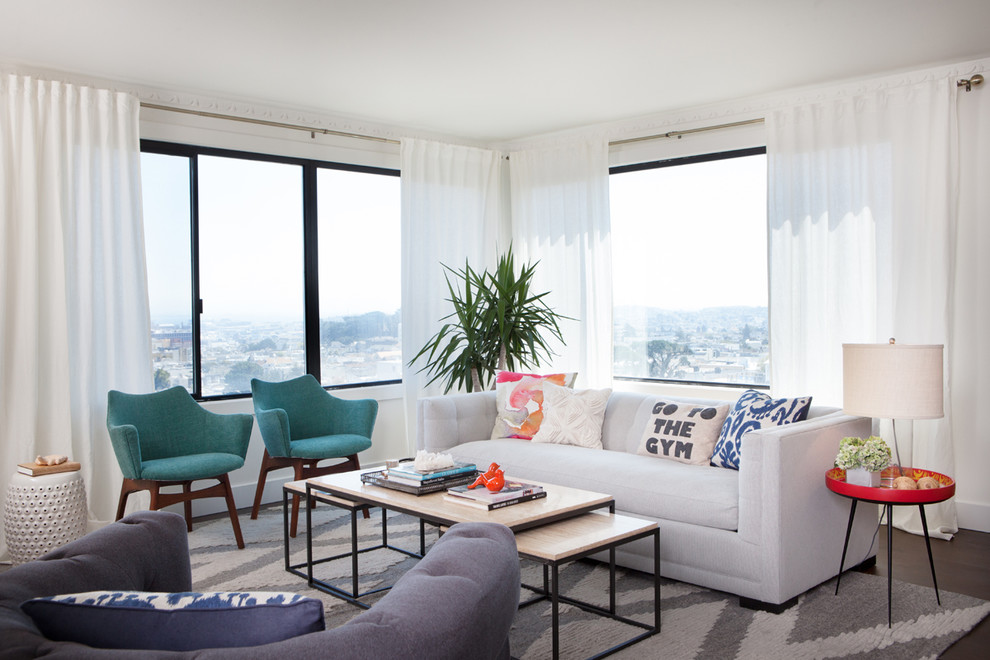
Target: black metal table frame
551,591
353,595
354,505
888,512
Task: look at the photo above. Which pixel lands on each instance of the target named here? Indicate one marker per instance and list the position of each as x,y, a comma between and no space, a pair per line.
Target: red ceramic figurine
494,479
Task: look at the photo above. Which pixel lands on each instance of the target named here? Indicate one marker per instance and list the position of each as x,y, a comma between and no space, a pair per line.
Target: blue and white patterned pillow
175,621
754,410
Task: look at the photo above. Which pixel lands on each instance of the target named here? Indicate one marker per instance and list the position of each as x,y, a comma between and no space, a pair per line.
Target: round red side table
835,480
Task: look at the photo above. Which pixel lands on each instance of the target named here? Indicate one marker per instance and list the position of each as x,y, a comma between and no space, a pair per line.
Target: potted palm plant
497,323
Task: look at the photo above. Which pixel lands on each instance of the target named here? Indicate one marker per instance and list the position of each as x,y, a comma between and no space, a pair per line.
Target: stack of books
406,478
480,497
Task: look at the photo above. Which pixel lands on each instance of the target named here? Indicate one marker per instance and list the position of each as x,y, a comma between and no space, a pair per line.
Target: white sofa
767,532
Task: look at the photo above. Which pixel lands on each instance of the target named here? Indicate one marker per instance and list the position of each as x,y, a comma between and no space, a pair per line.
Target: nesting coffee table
567,525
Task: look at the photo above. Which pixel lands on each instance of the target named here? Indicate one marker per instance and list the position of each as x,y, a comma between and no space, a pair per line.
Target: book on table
35,470
385,480
449,480
407,470
490,506
512,490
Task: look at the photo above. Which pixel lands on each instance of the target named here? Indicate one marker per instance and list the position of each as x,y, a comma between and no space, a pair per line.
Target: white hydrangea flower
872,454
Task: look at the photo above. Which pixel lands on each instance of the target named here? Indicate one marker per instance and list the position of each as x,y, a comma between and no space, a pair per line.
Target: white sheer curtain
560,217
862,238
451,208
970,310
74,318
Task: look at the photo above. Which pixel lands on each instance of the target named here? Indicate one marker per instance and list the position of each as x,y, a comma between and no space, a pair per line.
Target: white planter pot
862,477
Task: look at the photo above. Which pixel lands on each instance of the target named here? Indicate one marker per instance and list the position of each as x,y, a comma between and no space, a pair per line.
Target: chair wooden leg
260,491
232,509
187,505
129,486
160,500
155,505
122,502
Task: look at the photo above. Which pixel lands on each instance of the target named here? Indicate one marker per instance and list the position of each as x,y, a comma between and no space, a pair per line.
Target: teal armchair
167,439
302,424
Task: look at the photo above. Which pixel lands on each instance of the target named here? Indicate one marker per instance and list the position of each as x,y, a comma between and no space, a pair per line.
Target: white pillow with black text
681,431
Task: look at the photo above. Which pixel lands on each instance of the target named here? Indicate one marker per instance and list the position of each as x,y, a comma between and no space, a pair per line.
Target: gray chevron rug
696,622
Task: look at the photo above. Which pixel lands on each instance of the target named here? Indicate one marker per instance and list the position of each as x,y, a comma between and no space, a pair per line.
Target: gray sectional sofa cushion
468,581
767,532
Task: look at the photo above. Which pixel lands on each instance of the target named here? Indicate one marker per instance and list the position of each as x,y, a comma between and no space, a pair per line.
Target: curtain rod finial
968,83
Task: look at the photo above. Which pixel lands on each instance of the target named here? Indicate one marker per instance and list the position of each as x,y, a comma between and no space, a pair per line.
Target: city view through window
689,244
251,276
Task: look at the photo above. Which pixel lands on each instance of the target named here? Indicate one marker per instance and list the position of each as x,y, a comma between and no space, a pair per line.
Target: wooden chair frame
303,468
161,500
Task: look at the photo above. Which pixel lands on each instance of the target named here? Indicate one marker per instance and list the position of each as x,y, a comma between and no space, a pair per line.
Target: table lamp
894,381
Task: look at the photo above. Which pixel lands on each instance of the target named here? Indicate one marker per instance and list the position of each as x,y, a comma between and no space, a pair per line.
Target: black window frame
311,263
675,162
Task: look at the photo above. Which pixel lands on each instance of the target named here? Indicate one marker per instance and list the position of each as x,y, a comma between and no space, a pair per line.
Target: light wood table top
576,536
299,488
560,503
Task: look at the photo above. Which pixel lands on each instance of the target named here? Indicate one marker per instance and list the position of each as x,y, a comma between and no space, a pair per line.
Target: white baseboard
973,515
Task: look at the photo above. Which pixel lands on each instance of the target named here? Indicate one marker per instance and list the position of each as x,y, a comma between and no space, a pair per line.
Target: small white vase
863,477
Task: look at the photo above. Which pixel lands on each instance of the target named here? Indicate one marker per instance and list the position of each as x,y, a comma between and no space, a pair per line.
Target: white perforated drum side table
43,513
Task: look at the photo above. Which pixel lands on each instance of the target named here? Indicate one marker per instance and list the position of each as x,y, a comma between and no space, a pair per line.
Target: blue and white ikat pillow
175,621
755,410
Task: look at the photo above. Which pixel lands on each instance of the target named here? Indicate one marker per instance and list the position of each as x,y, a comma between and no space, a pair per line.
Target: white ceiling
494,69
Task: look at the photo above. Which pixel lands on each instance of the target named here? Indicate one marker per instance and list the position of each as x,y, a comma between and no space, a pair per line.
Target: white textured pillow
572,417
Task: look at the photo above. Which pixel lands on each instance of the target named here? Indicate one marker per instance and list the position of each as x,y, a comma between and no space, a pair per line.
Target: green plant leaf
493,312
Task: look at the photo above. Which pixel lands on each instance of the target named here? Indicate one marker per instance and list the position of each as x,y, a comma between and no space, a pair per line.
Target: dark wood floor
962,565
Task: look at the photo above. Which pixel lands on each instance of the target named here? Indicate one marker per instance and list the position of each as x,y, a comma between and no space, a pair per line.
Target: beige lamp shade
892,381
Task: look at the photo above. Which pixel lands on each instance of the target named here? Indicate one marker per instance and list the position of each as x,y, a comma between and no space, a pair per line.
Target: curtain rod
266,122
359,136
968,83
688,131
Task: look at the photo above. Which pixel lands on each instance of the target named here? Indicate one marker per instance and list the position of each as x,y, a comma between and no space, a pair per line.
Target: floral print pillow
519,402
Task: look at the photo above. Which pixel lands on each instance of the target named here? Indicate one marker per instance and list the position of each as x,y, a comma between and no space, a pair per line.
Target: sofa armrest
145,551
784,504
446,421
457,602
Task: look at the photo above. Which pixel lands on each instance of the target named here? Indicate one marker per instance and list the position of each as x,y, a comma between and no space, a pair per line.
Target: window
359,276
167,237
689,241
268,267
250,273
